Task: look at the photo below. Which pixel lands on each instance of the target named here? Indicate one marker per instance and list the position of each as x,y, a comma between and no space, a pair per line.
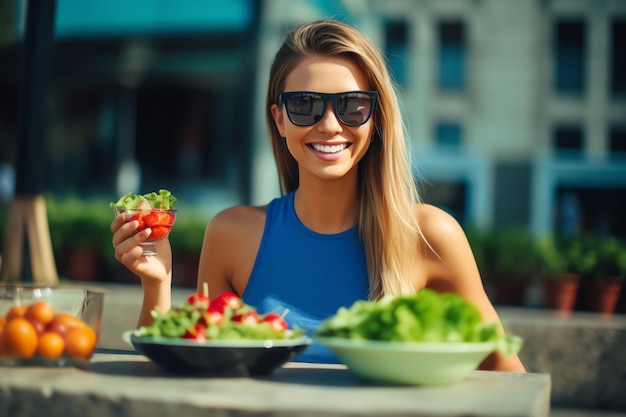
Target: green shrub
509,253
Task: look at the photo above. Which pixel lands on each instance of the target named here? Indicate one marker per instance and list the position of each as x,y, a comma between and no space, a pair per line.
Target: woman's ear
279,120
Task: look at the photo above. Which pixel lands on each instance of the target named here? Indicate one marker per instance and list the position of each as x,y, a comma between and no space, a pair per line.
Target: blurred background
515,111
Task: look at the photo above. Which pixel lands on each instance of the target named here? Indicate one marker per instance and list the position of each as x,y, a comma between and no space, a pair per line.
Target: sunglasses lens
305,109
354,109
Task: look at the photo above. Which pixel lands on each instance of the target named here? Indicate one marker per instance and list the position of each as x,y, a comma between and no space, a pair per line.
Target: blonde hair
387,220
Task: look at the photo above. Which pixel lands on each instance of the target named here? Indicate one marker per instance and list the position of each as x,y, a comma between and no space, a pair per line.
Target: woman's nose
328,121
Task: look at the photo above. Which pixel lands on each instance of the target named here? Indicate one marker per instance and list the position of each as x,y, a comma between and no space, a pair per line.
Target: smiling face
328,149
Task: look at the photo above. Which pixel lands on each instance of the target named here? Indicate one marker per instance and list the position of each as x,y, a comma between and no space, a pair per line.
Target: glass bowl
44,325
159,220
409,363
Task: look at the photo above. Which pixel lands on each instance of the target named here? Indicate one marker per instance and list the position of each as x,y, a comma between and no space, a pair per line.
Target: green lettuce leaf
163,200
426,316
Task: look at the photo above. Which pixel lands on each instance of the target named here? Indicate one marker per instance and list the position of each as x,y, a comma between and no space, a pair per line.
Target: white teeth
329,148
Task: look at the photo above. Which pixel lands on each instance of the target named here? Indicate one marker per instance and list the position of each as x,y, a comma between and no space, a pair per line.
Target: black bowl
219,357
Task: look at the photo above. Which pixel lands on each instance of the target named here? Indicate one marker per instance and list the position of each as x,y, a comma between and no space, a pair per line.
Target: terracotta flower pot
561,293
602,295
509,291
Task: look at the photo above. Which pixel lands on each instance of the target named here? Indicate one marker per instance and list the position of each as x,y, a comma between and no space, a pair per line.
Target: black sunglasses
305,108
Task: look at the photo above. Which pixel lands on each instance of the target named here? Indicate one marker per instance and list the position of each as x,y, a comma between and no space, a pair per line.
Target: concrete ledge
585,353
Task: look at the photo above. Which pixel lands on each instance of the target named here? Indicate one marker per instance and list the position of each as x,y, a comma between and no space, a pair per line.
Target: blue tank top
310,274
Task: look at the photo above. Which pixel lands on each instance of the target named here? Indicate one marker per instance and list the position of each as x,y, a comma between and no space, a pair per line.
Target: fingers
118,221
126,239
122,229
123,243
130,257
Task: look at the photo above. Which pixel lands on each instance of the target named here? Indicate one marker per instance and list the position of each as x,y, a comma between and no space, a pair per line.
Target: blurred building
515,109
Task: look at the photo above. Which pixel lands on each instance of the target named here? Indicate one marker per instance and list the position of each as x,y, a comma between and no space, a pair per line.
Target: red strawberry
140,218
197,333
160,222
159,218
215,317
227,299
276,322
198,298
249,317
212,316
159,232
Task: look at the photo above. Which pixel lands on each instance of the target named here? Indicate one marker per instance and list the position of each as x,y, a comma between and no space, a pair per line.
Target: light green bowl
409,363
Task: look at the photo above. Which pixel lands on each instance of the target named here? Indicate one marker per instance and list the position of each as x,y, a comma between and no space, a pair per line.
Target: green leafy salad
164,200
227,317
426,316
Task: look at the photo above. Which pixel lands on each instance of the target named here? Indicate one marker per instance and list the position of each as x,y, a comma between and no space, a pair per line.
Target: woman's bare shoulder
231,241
236,223
239,217
437,225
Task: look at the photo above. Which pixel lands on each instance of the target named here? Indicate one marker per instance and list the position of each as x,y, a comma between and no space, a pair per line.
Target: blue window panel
449,135
568,141
569,56
397,49
451,60
617,141
452,55
618,56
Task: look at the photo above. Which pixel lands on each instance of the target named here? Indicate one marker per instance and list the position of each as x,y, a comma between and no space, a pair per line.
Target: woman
349,225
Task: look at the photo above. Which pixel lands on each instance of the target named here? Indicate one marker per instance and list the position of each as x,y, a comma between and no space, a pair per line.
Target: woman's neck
327,206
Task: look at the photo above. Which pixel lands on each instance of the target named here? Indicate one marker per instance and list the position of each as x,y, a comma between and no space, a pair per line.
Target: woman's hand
153,269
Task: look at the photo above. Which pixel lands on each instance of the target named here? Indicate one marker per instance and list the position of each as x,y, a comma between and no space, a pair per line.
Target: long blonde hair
387,221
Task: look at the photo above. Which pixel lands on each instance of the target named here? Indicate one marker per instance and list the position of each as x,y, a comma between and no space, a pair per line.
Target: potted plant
606,274
80,236
561,261
510,262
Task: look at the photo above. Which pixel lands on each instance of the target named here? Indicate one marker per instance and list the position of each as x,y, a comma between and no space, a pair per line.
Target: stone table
123,384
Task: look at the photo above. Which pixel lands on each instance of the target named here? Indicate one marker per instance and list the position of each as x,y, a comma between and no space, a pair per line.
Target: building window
452,55
618,56
397,49
449,135
617,141
568,140
569,56
451,196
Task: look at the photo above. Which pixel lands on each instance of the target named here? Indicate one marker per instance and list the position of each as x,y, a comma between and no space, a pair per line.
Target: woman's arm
231,242
452,268
155,272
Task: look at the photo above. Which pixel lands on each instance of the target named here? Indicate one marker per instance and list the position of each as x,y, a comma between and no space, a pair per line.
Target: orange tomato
36,329
16,311
80,342
20,338
39,327
50,346
40,311
63,323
